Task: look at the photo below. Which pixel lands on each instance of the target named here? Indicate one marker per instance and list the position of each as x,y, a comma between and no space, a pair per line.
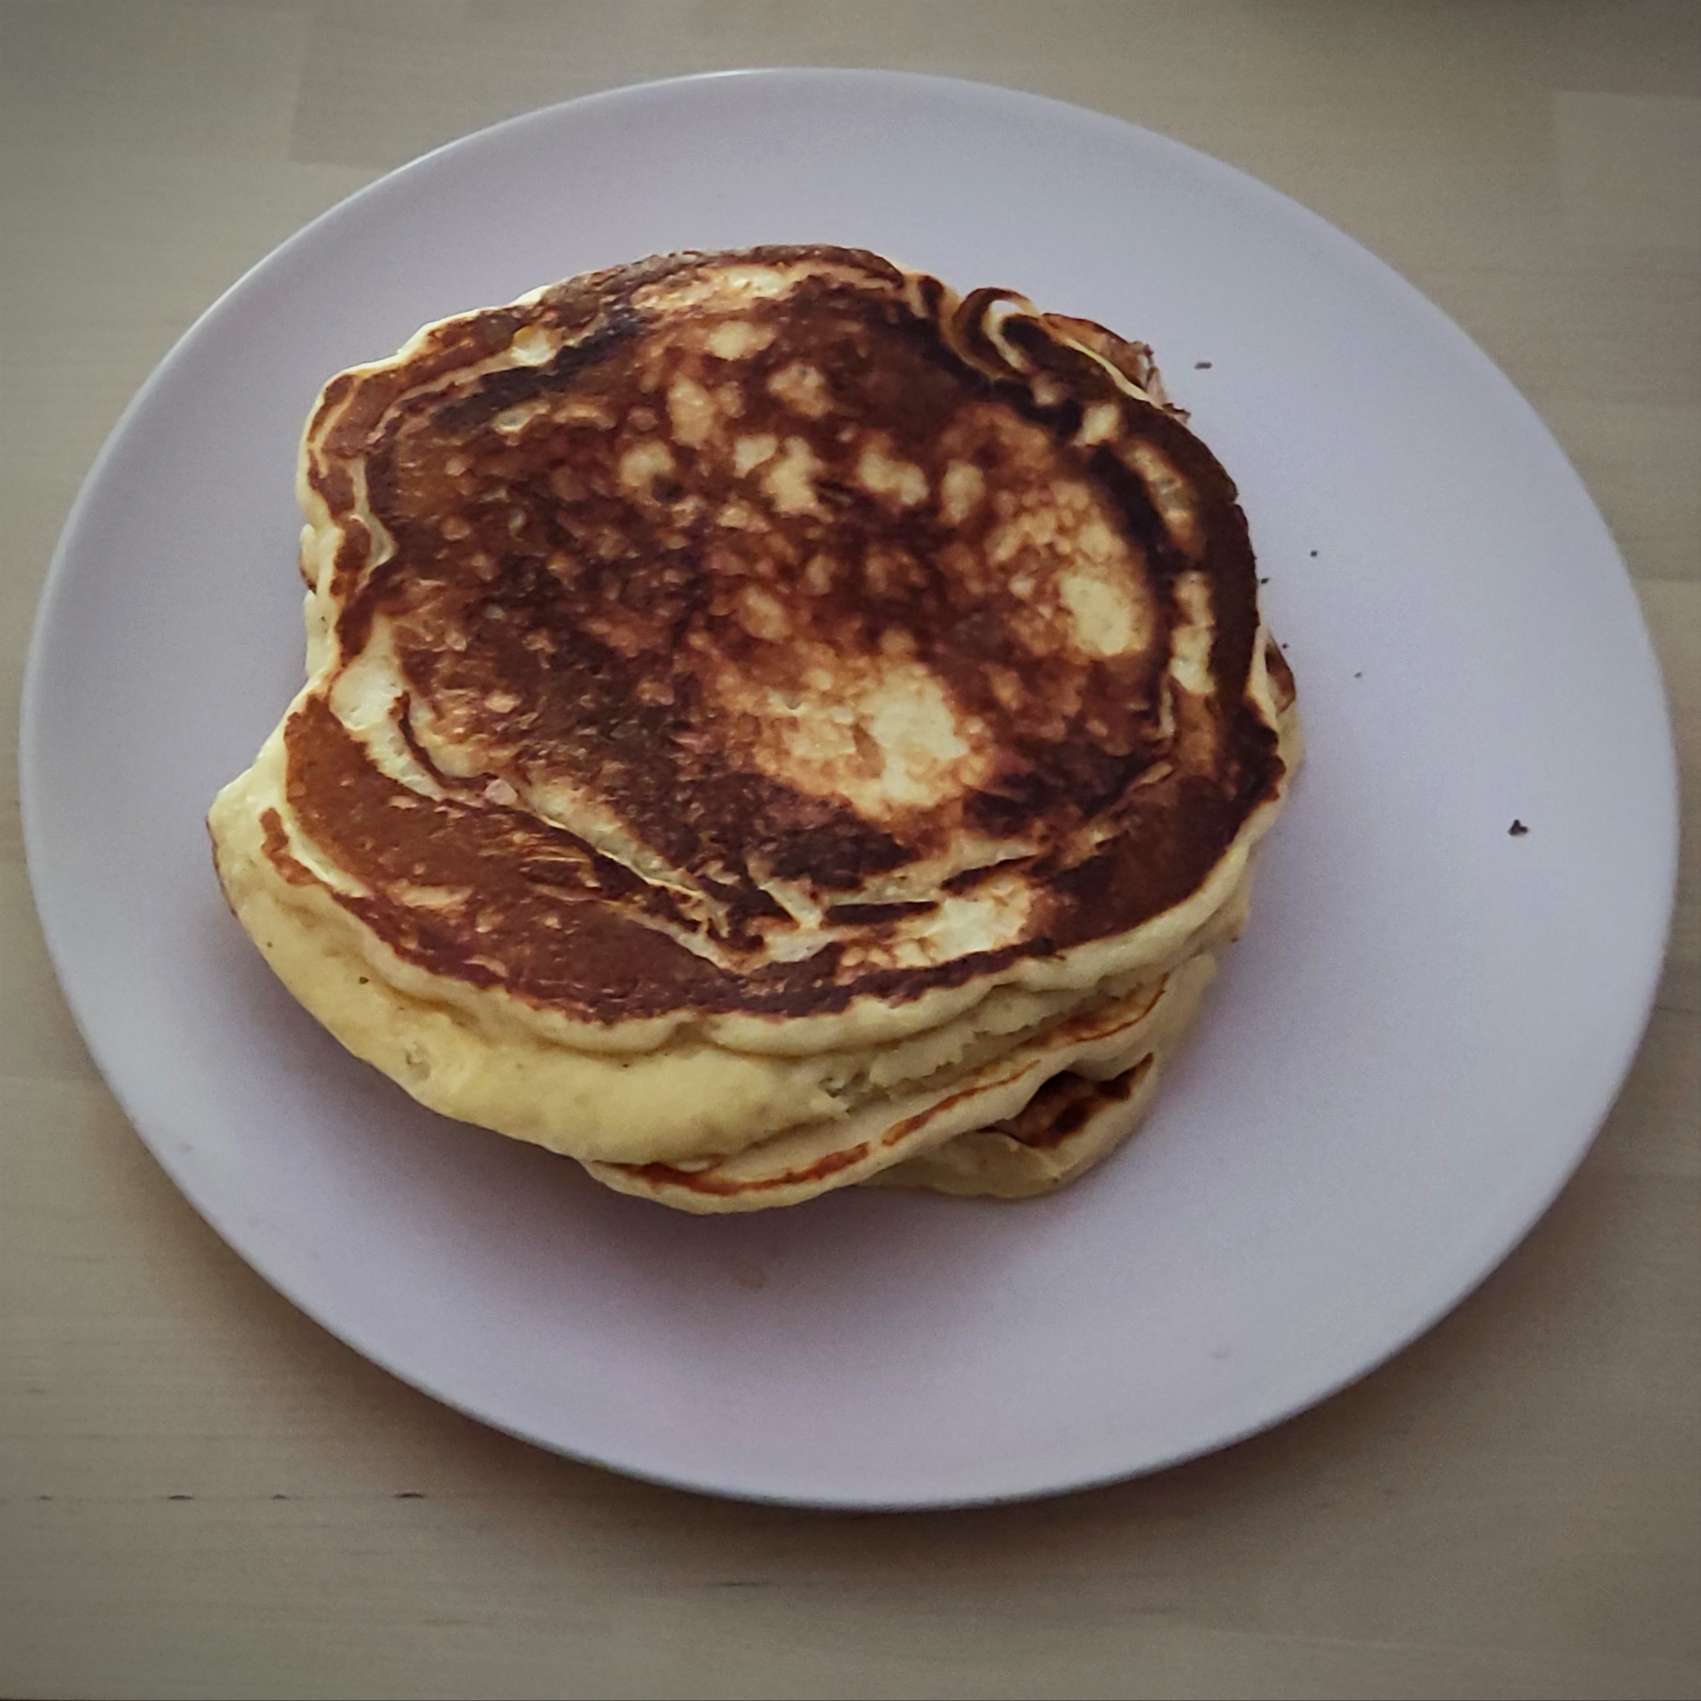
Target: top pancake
772,645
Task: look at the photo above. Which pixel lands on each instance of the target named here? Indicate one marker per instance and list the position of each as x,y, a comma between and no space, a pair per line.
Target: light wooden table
202,1494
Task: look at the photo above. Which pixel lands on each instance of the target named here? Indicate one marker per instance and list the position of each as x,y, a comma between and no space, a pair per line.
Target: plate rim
32,761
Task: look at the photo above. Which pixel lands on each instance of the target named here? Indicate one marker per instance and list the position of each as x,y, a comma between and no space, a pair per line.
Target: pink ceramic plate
1402,1064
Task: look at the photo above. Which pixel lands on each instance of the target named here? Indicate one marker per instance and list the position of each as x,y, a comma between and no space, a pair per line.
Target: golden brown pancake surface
760,633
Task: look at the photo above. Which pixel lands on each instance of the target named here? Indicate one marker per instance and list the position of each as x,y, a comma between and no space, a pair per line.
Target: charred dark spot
871,915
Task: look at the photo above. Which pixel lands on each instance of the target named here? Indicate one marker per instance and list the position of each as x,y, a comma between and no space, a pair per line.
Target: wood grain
203,1494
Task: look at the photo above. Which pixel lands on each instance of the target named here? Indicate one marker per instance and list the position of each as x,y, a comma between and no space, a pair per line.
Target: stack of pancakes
771,724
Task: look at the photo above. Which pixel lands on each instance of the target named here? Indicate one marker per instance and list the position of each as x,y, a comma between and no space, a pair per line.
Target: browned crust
579,631
1066,1104
720,1186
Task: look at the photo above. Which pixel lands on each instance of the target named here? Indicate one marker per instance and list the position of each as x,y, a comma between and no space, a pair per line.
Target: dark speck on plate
1517,830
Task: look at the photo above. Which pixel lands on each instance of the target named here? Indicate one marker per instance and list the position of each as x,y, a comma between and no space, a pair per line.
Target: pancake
743,688
1114,1041
1072,1123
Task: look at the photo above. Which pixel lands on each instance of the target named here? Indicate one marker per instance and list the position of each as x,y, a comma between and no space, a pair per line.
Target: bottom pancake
1072,1123
1113,1042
